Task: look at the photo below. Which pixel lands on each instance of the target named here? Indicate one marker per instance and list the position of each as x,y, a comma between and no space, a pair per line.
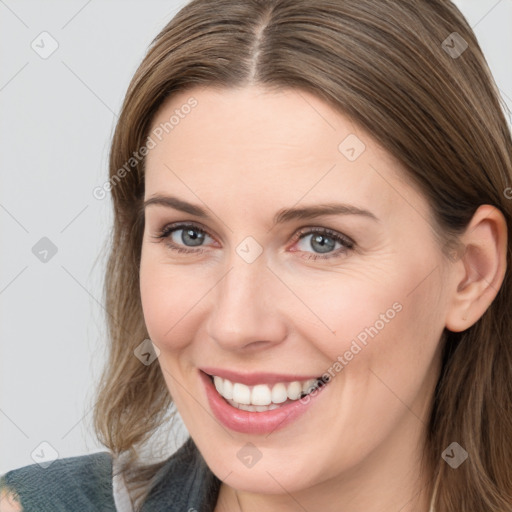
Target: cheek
395,363
344,313
383,322
171,299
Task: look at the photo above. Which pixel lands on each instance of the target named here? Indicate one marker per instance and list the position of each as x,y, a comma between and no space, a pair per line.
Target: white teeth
307,387
253,408
279,394
218,384
241,393
227,390
294,390
262,397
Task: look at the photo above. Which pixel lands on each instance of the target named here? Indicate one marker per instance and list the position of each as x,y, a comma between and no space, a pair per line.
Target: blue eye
190,237
314,243
319,243
184,237
324,243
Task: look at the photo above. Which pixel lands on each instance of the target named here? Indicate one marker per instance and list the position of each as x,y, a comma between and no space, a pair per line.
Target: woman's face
294,250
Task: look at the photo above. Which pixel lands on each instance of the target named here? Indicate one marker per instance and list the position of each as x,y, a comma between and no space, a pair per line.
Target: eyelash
347,243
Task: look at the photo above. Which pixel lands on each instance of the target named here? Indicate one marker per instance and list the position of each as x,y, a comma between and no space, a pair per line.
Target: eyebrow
282,216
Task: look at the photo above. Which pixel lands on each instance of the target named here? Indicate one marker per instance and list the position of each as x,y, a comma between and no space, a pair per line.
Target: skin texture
244,154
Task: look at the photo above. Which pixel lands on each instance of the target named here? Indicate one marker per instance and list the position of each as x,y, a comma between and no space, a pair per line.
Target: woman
309,259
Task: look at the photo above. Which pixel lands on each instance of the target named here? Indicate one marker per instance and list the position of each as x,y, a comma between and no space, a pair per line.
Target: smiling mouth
264,397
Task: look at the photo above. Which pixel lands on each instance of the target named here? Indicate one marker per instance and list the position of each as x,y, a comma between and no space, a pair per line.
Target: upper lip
253,378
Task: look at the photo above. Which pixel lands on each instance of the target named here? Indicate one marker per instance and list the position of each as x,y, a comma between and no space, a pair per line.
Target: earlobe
479,272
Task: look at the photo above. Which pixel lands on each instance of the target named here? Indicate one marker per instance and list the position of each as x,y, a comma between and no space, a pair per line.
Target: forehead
283,146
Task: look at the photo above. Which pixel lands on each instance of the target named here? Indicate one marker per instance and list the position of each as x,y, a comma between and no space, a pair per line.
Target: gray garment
84,484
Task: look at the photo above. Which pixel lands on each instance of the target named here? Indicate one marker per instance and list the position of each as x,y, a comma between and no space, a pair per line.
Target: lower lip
255,422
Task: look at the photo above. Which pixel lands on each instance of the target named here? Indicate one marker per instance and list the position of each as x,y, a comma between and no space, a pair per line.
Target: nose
246,310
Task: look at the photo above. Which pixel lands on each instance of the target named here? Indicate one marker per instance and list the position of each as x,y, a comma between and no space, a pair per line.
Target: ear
479,271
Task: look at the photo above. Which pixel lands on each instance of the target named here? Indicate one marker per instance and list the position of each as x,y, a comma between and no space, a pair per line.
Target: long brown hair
402,71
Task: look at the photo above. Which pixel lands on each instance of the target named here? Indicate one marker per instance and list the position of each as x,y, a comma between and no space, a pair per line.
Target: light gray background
57,119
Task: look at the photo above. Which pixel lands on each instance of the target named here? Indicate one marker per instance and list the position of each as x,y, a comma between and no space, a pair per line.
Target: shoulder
75,483
185,481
